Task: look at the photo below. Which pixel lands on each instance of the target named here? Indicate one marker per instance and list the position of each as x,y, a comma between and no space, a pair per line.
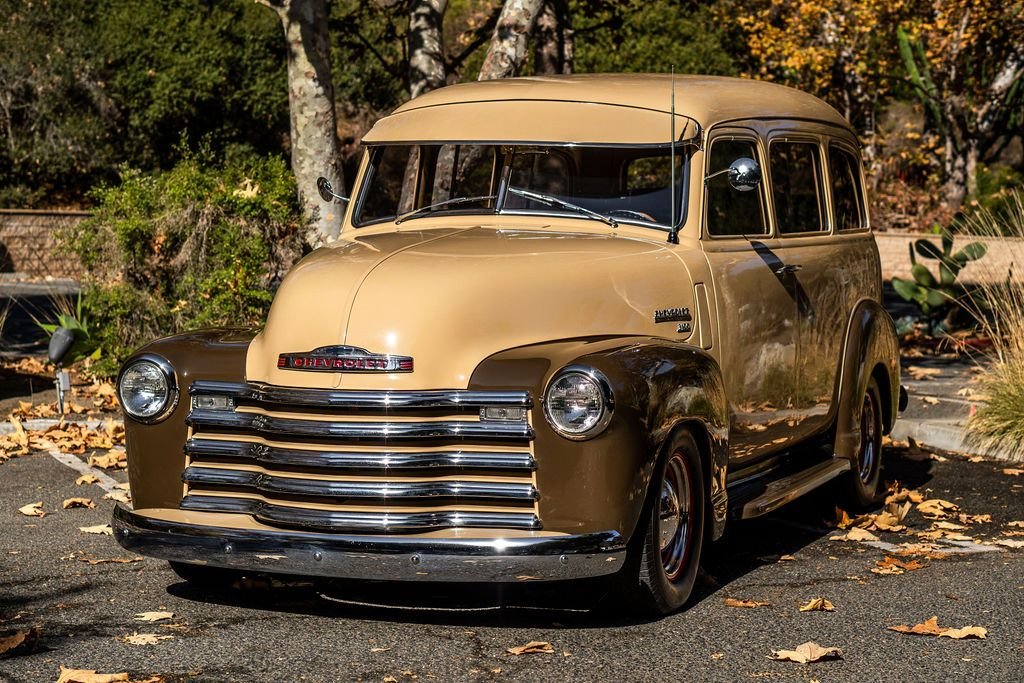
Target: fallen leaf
891,565
717,655
1016,524
930,400
77,503
9,642
787,558
86,479
32,509
98,529
119,496
818,605
111,560
532,647
921,374
145,639
974,519
1013,471
88,676
747,604
153,616
1009,542
855,534
807,653
948,526
936,507
930,627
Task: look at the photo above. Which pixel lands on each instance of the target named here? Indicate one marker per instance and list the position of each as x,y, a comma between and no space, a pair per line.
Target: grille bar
382,400
391,461
373,522
362,431
346,491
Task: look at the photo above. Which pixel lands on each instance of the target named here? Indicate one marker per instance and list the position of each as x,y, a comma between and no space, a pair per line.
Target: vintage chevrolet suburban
572,327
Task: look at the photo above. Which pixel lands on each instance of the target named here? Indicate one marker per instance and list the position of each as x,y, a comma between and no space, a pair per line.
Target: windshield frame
506,151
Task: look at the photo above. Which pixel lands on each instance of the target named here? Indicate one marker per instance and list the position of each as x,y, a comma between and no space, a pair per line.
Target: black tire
863,482
673,530
208,578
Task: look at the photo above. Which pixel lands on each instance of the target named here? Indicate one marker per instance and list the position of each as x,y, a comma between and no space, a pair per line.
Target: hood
449,298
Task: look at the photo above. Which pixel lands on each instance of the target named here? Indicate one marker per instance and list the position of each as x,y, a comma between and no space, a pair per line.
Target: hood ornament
344,359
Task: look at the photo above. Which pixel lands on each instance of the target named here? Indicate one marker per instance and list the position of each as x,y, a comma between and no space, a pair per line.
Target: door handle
787,268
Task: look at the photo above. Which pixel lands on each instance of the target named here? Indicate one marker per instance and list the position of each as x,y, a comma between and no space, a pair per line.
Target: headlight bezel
173,393
604,389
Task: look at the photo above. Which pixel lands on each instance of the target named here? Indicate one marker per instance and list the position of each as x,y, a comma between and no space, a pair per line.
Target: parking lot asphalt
266,631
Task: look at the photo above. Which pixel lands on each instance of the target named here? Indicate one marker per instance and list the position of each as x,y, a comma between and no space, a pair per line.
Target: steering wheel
630,213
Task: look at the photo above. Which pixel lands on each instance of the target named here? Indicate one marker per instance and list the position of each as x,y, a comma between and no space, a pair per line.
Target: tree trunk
508,44
960,164
553,39
426,49
314,137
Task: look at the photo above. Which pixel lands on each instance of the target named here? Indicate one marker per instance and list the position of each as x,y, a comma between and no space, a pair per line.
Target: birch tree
553,39
426,49
507,52
314,137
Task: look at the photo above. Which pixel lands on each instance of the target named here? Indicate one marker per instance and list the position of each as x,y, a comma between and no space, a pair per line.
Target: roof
624,108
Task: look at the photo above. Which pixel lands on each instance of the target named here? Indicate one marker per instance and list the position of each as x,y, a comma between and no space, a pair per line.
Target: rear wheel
863,481
673,537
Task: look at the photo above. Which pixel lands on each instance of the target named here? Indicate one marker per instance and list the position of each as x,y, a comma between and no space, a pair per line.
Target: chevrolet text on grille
344,359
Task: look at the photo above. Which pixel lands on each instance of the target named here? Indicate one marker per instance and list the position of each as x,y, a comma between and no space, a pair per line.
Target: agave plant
72,317
934,295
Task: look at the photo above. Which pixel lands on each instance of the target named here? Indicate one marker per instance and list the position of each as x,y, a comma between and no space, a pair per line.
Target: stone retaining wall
28,245
1003,254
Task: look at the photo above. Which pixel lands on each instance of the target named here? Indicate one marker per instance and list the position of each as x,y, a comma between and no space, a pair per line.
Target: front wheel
674,535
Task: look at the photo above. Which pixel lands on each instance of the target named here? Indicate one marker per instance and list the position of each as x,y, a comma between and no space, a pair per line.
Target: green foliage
74,319
649,36
196,246
934,295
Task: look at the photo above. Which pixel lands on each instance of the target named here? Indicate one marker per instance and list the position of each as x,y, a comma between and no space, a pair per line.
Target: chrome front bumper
389,558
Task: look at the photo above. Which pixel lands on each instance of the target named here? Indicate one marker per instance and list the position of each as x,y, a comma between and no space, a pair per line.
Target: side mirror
60,343
323,186
744,174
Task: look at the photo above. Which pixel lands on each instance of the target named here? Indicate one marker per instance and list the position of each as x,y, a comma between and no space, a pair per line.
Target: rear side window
732,212
847,202
797,187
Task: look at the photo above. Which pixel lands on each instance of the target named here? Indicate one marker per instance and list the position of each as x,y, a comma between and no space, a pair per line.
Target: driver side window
731,212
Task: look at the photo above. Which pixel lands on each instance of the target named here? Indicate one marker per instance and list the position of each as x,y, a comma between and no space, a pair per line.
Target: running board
782,491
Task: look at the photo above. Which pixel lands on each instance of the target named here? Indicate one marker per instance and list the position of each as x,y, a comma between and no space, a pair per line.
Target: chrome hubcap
674,510
868,440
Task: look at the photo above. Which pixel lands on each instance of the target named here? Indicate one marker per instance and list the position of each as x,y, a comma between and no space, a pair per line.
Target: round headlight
146,389
578,402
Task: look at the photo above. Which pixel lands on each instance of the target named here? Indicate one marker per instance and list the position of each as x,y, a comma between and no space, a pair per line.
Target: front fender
658,386
872,349
156,457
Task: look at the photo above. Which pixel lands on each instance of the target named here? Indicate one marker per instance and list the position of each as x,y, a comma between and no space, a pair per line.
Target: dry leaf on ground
145,638
948,526
1016,524
153,616
748,604
88,676
86,479
974,519
936,507
109,460
818,605
119,496
98,529
77,503
807,653
930,627
899,495
531,648
1013,471
891,565
855,534
110,560
33,509
18,640
1009,543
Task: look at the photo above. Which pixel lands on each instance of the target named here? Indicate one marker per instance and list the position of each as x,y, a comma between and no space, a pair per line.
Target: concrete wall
28,244
1003,254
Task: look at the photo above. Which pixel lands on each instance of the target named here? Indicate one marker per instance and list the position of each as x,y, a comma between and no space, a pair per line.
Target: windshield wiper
447,202
555,201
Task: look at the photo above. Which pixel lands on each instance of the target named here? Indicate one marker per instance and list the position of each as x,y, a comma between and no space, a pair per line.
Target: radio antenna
673,234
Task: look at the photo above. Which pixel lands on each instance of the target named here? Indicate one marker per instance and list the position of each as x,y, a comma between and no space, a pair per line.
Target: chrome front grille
362,461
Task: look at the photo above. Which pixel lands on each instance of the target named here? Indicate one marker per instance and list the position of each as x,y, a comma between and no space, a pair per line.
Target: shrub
998,305
200,245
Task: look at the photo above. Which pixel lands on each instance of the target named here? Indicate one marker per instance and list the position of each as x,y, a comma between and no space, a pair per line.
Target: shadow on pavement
747,546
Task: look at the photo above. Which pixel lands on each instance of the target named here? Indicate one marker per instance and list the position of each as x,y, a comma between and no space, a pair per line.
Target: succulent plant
934,295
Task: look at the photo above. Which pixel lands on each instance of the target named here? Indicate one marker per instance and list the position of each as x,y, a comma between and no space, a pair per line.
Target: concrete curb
946,435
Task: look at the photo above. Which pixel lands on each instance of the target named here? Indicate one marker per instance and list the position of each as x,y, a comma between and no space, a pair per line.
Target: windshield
622,184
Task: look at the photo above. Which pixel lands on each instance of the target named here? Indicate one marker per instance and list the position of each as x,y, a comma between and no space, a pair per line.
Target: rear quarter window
797,187
847,197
